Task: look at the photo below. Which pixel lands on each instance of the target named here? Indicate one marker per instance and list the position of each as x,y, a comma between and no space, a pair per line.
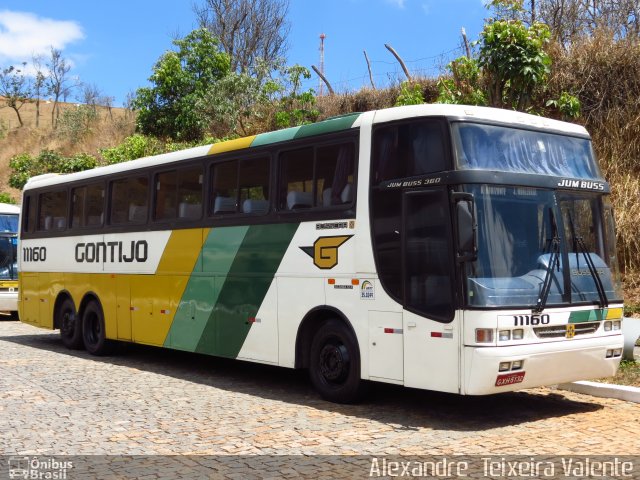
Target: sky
114,45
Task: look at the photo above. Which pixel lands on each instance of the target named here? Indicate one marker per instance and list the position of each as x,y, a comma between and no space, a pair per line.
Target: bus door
430,327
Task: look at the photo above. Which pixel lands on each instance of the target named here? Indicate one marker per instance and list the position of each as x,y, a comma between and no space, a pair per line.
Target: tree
180,80
464,86
295,107
569,20
514,61
16,88
39,85
248,30
58,82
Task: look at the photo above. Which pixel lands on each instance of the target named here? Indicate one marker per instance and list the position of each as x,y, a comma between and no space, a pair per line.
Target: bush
6,198
135,146
410,94
25,166
76,123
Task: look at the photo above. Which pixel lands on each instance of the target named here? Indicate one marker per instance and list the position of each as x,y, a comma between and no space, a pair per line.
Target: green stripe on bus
216,257
588,316
328,126
275,137
245,288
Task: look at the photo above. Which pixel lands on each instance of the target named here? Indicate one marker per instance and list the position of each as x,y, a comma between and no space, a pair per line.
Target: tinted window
428,268
8,222
489,147
87,207
387,228
317,177
30,219
224,193
178,194
254,186
241,186
409,149
296,179
129,200
53,211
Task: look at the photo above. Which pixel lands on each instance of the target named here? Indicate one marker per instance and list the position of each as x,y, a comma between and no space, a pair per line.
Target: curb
606,390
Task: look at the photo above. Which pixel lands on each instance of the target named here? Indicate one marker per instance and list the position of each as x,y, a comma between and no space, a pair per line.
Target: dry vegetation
605,74
110,128
602,72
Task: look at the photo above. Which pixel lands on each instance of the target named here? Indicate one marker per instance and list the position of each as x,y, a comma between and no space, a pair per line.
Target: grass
628,374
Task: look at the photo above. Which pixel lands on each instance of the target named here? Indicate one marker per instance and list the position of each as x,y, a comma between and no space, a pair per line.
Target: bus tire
334,364
70,325
93,331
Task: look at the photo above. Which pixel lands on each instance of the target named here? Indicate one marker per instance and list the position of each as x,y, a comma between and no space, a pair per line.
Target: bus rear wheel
70,325
334,366
93,331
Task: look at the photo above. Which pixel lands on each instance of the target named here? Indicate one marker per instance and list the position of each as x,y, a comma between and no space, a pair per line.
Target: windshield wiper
554,261
602,294
578,244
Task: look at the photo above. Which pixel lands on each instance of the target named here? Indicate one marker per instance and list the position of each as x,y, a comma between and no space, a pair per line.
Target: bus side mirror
466,227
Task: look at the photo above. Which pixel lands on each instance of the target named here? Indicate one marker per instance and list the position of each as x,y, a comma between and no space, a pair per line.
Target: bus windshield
8,257
489,147
8,223
531,240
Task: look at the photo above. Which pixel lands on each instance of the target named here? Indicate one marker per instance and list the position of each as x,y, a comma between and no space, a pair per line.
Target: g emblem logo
325,251
571,331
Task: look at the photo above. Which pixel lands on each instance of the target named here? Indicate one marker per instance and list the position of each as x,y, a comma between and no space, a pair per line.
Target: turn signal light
484,335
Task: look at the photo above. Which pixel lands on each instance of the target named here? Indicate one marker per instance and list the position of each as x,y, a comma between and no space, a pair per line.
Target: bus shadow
403,408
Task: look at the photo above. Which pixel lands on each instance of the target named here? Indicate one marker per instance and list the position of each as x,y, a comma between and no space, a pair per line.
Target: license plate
509,379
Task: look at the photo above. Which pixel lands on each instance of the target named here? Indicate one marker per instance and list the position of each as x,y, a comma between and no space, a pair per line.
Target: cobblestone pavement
148,401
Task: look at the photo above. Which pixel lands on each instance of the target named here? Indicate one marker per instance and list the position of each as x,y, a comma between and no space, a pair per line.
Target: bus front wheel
93,331
334,366
70,325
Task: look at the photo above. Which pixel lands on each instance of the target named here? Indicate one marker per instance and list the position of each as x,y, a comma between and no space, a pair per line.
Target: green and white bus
450,248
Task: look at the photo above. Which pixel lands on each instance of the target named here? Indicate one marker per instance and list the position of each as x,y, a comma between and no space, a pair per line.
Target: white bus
450,248
8,259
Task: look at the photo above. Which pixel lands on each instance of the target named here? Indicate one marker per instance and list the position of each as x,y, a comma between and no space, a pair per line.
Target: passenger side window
409,149
241,186
53,211
129,200
296,179
29,219
317,177
178,194
87,206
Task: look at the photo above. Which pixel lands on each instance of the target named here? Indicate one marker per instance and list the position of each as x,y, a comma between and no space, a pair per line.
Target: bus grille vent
560,331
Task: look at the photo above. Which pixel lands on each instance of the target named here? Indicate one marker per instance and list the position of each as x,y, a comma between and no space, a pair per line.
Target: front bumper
544,363
9,301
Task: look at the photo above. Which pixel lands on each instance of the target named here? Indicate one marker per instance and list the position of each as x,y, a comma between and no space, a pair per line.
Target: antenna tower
320,83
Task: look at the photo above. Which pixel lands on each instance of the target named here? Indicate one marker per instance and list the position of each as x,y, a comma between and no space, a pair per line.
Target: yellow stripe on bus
614,313
156,298
231,145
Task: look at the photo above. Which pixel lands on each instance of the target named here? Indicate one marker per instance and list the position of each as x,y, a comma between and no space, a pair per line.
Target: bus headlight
518,334
607,326
484,335
617,324
517,365
504,366
504,335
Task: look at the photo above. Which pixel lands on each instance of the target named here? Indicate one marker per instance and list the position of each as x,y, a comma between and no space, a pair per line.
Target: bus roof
6,208
344,122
